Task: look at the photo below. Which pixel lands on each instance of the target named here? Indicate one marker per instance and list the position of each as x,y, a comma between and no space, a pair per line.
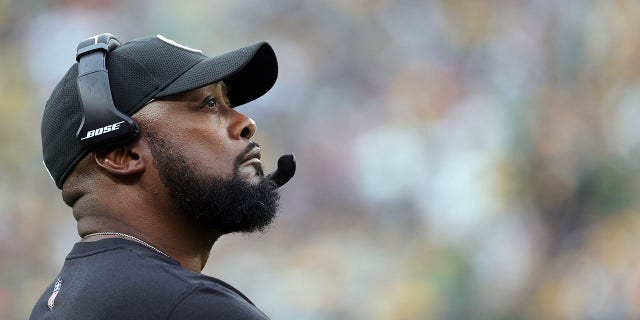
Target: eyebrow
207,97
199,95
194,96
210,91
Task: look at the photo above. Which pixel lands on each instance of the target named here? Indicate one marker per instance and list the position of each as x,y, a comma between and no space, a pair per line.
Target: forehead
217,88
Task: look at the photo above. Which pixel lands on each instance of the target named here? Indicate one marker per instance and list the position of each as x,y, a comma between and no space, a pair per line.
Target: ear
123,161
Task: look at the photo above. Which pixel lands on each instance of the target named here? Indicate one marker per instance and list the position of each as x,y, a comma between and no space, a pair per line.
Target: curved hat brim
249,73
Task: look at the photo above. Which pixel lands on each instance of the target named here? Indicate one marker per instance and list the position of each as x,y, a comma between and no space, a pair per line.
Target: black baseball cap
140,71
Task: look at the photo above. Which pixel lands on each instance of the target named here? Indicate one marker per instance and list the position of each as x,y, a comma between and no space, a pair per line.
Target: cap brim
249,73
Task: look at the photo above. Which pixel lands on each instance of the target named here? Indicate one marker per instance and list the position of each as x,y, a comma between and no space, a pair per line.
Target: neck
169,232
125,236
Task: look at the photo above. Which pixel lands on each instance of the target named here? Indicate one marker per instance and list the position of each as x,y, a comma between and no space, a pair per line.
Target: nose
243,127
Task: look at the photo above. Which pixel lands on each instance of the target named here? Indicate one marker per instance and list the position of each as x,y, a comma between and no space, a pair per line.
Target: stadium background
457,159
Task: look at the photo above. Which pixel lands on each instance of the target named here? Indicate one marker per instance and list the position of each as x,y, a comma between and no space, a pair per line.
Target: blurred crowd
456,159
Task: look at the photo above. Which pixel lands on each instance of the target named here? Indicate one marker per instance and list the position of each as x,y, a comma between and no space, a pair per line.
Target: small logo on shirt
56,289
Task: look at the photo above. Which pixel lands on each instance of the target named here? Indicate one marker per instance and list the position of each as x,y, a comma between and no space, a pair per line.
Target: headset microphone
285,171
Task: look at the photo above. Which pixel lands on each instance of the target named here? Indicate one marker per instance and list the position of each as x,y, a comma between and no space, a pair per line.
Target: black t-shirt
121,279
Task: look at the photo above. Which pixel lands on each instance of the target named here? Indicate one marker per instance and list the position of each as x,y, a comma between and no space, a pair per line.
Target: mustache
250,146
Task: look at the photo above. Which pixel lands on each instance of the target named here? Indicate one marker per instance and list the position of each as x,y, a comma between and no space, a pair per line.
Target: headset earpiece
103,126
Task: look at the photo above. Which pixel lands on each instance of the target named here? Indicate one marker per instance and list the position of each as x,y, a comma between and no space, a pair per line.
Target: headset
103,126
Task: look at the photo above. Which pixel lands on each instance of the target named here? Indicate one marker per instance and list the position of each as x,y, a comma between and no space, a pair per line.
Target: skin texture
122,191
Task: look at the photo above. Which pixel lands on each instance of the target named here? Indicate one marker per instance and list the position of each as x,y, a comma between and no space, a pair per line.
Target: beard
226,206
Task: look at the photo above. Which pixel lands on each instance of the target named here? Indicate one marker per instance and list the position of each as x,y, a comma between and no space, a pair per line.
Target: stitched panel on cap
61,119
164,61
131,84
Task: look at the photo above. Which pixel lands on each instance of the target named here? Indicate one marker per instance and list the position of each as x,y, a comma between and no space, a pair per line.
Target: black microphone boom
286,170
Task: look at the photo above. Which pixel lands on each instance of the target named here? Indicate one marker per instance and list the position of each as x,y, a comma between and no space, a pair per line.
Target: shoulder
119,280
128,266
215,301
116,280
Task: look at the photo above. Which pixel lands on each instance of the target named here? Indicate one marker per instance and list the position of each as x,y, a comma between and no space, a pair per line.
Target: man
150,206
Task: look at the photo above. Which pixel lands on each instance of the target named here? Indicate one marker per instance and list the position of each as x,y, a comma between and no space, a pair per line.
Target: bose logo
105,129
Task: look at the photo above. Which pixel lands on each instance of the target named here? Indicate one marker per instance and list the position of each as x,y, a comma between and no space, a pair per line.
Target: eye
210,103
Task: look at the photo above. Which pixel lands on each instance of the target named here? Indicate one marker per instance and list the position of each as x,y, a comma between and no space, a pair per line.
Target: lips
252,156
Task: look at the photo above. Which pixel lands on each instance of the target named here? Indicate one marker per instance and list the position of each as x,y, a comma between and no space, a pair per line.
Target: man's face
203,155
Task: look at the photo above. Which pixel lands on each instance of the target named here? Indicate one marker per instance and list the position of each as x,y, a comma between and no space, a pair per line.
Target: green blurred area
457,159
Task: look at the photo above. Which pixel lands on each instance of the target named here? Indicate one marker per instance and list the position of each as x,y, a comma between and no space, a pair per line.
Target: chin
253,177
